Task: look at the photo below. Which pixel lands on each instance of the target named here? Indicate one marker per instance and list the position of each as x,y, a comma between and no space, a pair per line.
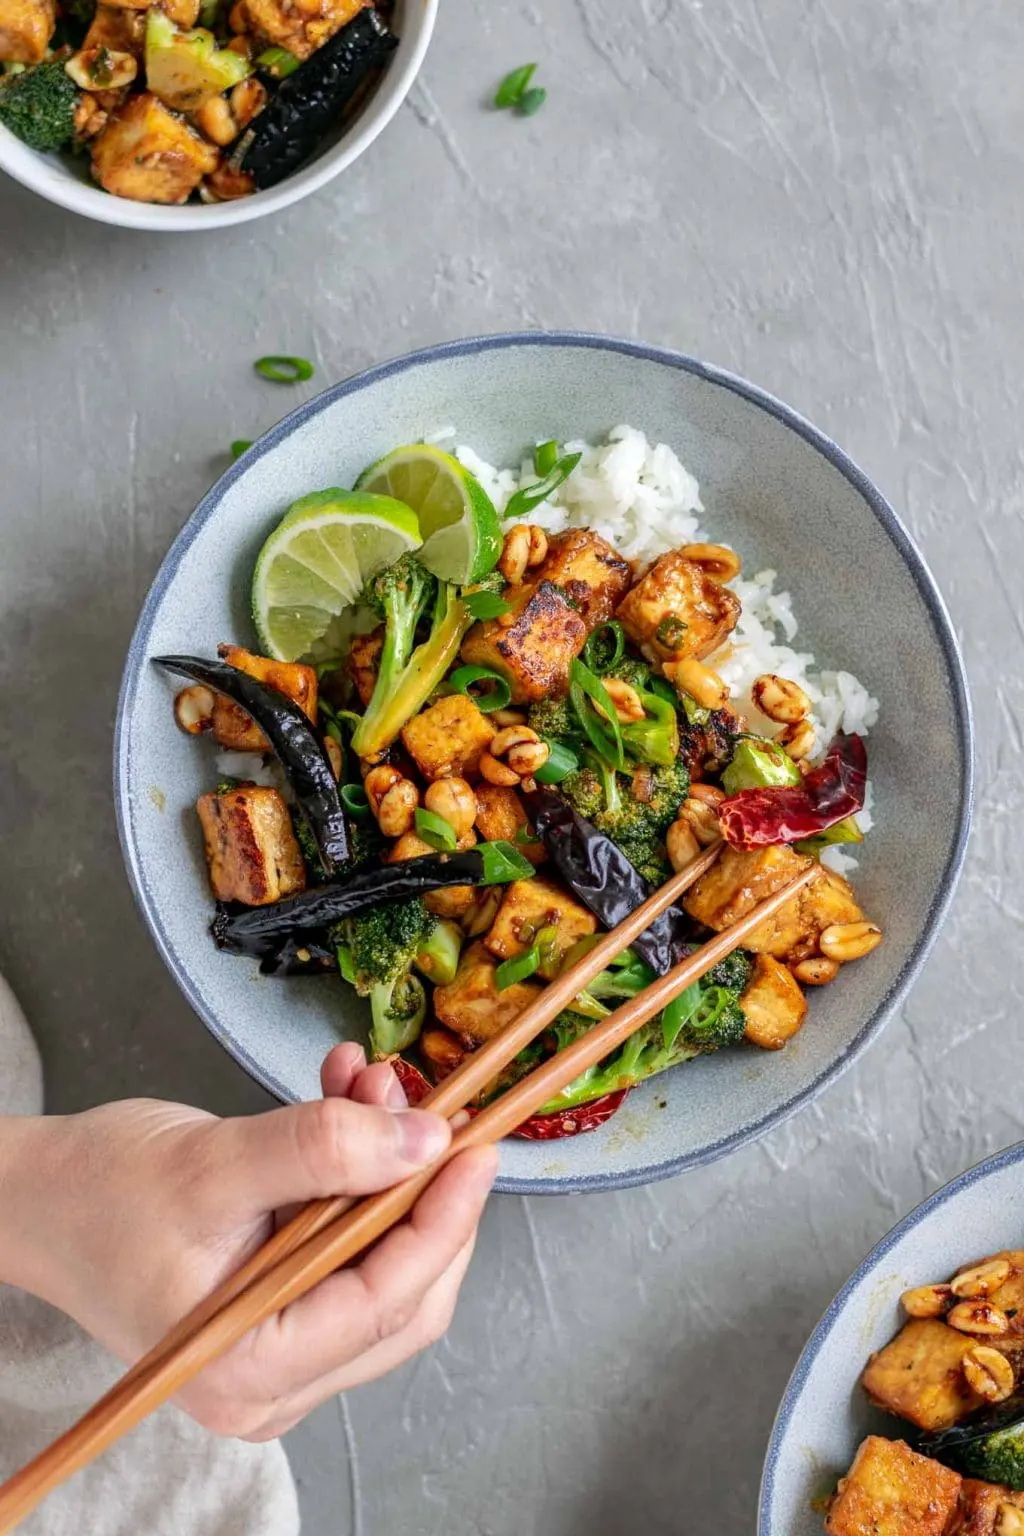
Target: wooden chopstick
457,1090
130,1400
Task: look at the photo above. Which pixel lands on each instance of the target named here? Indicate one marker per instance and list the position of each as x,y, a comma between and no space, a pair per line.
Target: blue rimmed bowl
824,1414
773,485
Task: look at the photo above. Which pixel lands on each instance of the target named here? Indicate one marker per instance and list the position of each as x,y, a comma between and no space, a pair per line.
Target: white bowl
67,182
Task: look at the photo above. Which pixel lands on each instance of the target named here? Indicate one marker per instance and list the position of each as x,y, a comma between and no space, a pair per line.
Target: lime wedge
317,561
460,528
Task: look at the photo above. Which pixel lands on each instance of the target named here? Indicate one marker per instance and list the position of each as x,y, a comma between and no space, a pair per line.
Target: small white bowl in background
67,182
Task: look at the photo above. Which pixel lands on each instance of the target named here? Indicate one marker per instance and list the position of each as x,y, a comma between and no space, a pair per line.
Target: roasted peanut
193,709
538,545
980,1280
703,685
502,717
515,554
225,184
709,793
927,1301
702,821
480,917
238,21
625,699
497,773
453,800
247,98
716,560
849,941
682,845
1009,1521
797,740
101,69
816,971
988,1373
377,782
242,46
90,117
516,753
217,121
335,756
396,813
979,1317
409,846
780,699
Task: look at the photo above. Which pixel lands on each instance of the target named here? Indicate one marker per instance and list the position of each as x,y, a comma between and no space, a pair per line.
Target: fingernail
421,1136
394,1094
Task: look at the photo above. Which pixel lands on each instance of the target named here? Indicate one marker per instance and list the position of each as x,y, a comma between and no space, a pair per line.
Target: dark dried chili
294,742
758,818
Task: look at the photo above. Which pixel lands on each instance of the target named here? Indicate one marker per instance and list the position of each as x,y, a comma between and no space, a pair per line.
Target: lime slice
317,561
461,533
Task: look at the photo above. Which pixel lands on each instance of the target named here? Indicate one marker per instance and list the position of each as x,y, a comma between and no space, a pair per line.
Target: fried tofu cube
892,1491
919,1375
442,1050
742,877
364,663
149,154
981,1507
26,27
448,739
535,645
251,850
232,728
471,1005
773,1004
592,574
501,817
300,29
526,908
676,611
122,31
451,901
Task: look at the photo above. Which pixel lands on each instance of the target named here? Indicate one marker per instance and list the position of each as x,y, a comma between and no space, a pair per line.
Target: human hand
127,1215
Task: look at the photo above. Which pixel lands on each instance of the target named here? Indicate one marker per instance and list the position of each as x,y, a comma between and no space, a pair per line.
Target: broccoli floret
638,826
633,671
39,105
584,792
383,941
718,1021
408,674
555,719
398,1009
733,972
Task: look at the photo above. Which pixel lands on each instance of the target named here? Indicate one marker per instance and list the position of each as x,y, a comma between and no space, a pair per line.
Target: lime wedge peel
317,561
460,528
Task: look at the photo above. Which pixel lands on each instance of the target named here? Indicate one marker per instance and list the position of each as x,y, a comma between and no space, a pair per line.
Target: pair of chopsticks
329,1233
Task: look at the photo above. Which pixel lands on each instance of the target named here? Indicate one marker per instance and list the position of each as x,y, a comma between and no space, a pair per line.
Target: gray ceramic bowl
824,1415
774,486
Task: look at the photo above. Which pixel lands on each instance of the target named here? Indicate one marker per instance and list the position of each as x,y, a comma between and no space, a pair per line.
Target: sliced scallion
603,729
485,605
545,457
239,446
518,968
354,799
605,647
532,100
495,696
284,370
530,496
510,91
433,829
561,762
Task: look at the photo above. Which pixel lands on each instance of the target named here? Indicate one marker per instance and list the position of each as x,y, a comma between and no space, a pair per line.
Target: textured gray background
823,195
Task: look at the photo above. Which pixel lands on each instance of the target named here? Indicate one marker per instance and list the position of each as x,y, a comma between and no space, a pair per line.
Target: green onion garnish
663,690
433,829
670,632
346,964
545,457
239,446
503,863
531,496
561,762
603,730
354,799
605,647
284,370
485,605
679,1012
510,91
518,968
278,62
495,696
531,101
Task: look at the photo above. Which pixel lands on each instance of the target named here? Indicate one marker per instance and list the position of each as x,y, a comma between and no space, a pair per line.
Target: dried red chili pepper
758,818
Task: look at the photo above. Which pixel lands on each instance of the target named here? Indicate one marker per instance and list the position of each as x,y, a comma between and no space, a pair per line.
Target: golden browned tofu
232,727
773,1005
676,610
121,30
364,663
981,1506
919,1375
743,877
448,739
299,28
26,27
149,154
534,646
530,905
471,1005
501,816
892,1491
250,846
589,571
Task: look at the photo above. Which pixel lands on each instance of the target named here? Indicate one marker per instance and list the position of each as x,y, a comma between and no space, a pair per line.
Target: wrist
26,1200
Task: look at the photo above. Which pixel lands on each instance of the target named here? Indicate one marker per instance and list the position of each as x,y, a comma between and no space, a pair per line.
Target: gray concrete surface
825,196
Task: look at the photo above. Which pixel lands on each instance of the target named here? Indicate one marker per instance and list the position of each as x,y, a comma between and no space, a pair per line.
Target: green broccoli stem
400,694
398,1010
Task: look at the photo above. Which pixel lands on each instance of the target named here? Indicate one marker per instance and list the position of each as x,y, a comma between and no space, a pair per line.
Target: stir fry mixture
217,98
955,1375
526,734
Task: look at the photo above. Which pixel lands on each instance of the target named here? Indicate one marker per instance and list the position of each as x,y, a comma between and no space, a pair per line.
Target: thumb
328,1147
